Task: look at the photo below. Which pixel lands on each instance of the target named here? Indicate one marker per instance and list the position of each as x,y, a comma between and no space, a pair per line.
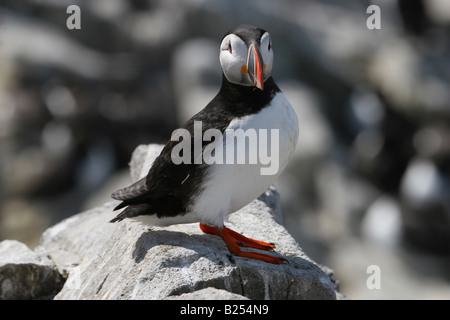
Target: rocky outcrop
130,261
25,274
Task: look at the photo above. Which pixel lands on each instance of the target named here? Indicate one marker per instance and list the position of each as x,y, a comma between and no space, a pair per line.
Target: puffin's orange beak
255,66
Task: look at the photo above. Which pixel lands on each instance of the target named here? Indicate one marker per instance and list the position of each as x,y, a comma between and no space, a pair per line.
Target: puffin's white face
247,65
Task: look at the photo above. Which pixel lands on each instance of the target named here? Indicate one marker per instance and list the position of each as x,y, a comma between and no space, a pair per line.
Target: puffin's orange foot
234,240
239,239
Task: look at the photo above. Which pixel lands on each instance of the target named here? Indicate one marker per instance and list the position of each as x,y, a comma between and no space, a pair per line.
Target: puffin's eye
229,48
269,46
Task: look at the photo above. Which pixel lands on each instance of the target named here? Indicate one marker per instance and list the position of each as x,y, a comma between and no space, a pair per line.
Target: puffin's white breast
230,186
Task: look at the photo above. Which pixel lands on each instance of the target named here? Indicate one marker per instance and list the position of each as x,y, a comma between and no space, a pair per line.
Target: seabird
203,191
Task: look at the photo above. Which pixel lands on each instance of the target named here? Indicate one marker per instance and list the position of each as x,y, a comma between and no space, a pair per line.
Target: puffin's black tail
132,196
139,200
132,211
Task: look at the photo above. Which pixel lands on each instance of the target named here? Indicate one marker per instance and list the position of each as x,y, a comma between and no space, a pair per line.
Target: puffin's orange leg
234,240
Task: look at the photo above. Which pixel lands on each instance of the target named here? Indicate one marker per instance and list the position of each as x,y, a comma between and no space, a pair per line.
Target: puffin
206,192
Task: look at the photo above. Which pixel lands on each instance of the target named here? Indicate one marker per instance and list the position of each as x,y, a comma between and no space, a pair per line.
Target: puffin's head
246,56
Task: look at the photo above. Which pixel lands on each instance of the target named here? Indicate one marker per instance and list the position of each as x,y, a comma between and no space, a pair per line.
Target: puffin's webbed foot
235,240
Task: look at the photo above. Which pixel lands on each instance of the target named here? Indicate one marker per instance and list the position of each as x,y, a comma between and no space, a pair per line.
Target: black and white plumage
207,193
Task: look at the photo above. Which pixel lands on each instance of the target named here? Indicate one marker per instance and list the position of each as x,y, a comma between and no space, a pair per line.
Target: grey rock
25,274
130,261
142,159
208,294
78,238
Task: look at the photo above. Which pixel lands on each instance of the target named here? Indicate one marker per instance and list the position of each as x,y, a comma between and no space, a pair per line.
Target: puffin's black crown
247,33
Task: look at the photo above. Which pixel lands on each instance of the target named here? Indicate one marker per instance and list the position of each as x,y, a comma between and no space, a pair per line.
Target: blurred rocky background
369,184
